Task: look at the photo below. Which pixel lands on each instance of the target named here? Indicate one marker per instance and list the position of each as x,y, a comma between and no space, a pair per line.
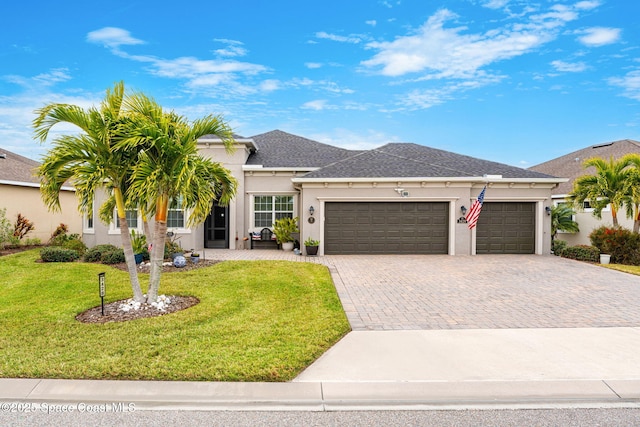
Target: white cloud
312,65
190,67
54,76
270,85
630,83
587,5
234,48
452,52
336,38
570,67
112,37
371,22
317,105
18,111
600,36
346,138
495,4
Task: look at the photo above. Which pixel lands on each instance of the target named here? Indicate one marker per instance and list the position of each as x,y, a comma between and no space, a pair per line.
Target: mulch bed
113,314
171,269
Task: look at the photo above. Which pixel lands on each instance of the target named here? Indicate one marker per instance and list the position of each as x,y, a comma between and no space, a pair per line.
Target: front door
216,228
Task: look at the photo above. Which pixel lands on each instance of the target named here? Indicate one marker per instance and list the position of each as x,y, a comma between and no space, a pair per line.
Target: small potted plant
139,244
311,245
195,257
284,228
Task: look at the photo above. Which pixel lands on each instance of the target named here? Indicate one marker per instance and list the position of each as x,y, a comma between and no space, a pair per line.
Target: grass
256,321
632,269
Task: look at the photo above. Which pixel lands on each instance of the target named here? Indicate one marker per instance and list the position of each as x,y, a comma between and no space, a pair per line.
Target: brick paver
387,292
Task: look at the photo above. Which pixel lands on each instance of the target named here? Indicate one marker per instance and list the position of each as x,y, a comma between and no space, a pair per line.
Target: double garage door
423,228
386,228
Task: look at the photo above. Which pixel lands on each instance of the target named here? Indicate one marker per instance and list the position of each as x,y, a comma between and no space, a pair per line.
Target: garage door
506,228
386,228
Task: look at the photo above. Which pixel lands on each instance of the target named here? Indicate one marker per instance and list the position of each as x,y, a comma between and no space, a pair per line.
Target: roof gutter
30,184
472,179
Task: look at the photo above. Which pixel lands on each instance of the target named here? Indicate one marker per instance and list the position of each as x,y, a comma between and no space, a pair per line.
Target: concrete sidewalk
397,370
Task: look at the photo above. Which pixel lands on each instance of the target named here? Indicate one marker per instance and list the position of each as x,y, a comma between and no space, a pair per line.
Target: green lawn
256,321
632,269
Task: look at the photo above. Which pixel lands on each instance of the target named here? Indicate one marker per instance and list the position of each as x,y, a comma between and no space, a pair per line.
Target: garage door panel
506,227
386,227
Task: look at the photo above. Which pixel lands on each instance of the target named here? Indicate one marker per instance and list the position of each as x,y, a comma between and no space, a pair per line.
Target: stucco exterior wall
27,201
587,223
456,193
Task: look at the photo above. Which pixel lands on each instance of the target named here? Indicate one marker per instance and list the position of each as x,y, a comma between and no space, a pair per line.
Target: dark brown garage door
506,228
386,228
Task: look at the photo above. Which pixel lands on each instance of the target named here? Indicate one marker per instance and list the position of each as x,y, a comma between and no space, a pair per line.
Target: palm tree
632,199
562,220
608,186
170,168
91,160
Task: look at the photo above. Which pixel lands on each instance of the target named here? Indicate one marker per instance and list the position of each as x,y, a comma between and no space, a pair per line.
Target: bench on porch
263,239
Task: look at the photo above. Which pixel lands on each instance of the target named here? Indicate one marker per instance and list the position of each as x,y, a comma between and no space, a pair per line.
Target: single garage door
386,228
506,228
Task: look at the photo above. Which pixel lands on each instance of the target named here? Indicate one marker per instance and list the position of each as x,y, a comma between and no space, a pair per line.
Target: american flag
474,212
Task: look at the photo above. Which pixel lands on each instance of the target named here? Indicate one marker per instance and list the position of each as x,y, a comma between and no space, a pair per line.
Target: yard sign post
101,286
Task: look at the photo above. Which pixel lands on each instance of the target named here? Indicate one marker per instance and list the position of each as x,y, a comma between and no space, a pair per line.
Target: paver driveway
388,292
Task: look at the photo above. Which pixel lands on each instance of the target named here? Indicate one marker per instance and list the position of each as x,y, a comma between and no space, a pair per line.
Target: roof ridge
420,161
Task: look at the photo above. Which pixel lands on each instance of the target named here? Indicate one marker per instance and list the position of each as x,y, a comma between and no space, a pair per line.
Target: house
20,193
398,198
571,166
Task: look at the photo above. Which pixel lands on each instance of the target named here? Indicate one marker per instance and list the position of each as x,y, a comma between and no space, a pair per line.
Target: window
176,214
132,218
87,225
267,209
586,206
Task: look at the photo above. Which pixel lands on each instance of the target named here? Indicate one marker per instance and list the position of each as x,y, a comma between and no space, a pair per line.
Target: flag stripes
474,211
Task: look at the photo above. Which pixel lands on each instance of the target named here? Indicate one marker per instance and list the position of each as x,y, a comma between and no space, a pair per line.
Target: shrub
22,227
623,245
558,246
582,253
6,231
76,245
113,257
95,253
171,248
32,241
59,235
58,254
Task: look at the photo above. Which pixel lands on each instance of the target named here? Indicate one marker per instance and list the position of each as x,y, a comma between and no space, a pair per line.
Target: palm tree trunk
157,250
128,248
636,219
614,215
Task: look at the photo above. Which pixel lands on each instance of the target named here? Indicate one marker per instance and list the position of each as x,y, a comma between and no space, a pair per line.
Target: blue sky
513,81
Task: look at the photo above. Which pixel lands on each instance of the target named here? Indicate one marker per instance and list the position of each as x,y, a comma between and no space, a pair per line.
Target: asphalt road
498,418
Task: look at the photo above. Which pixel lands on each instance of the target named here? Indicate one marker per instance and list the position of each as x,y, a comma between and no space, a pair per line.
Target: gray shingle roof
403,160
570,165
14,167
278,149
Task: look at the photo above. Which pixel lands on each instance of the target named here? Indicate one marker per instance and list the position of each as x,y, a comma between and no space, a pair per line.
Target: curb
320,396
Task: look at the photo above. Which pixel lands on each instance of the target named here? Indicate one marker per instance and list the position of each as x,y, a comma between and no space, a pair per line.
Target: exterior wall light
463,209
311,210
547,209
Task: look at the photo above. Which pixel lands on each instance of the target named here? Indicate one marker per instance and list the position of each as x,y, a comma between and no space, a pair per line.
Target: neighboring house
399,198
571,166
20,193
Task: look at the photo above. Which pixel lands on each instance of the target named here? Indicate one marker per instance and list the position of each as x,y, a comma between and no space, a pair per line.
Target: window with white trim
88,222
132,218
268,209
176,214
